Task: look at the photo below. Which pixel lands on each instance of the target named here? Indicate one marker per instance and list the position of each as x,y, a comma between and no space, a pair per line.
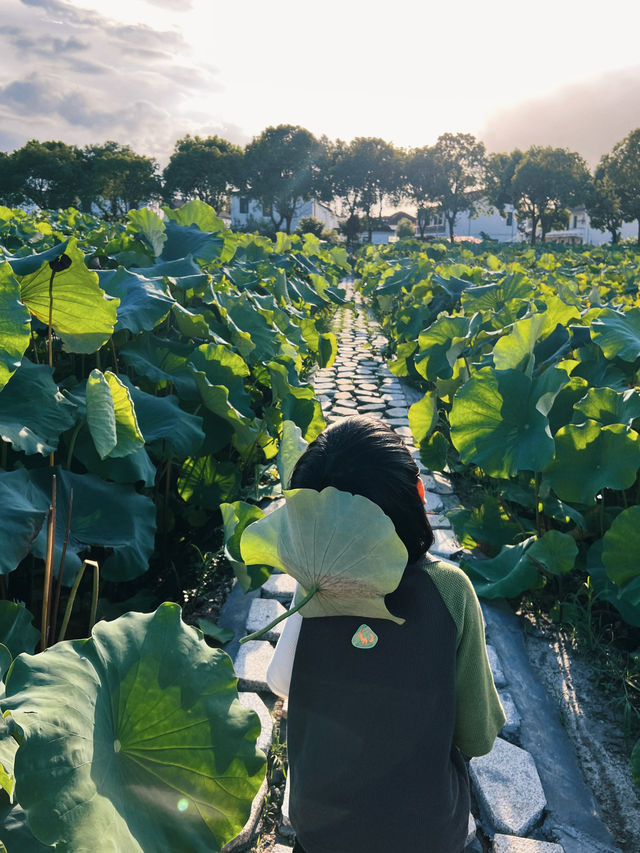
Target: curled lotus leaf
341,545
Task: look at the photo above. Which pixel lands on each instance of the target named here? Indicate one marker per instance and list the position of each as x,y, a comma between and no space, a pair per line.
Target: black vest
370,731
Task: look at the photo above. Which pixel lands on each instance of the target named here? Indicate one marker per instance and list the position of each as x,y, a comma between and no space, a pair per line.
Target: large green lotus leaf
28,264
515,350
20,520
111,416
207,482
183,240
492,297
434,451
236,517
163,362
440,346
423,417
143,301
506,576
108,515
15,325
297,403
196,212
617,333
16,629
497,424
609,407
487,525
620,547
562,411
33,412
589,458
555,552
82,315
557,313
292,446
343,544
193,325
600,371
216,399
265,338
607,590
161,418
133,740
183,272
137,467
222,366
150,226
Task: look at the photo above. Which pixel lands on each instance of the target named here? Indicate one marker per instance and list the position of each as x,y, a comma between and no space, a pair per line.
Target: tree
364,172
545,181
310,225
604,204
118,179
420,185
405,228
459,161
499,174
47,174
205,169
624,171
279,169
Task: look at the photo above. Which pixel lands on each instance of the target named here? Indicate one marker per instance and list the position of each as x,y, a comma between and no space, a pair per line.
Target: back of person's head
362,455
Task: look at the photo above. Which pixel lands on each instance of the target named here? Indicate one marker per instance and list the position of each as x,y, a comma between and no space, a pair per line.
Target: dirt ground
593,723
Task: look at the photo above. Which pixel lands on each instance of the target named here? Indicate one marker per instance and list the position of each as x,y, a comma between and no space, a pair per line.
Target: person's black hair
363,456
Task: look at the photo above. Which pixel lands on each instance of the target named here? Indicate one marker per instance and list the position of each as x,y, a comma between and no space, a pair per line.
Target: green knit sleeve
479,714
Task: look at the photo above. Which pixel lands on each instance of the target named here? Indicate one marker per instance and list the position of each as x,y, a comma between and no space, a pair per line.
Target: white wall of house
245,210
487,221
580,230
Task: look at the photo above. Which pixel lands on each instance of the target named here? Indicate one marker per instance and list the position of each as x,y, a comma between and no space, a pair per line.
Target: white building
580,231
247,212
486,224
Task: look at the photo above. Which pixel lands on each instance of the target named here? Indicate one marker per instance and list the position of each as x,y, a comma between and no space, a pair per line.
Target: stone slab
438,522
261,613
512,844
285,822
365,408
280,586
496,667
512,726
471,830
342,412
397,412
281,848
251,664
254,703
445,543
432,501
443,484
508,788
403,432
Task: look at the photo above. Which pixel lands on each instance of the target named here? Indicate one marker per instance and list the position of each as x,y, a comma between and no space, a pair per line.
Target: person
378,730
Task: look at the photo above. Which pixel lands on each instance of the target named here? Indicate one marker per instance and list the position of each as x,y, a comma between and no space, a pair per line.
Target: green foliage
167,756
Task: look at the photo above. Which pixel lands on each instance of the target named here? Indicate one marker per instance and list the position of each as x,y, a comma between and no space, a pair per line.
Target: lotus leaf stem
73,593
301,604
56,603
48,568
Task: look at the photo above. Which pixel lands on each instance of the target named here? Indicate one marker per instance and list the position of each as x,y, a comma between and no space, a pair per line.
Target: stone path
514,810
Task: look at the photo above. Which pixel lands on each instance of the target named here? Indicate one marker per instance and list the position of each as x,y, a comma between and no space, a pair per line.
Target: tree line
287,162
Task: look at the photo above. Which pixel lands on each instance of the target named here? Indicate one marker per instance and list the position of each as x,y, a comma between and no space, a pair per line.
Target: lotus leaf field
154,388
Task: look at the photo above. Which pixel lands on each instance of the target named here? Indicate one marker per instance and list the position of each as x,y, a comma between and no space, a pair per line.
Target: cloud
587,117
175,5
76,75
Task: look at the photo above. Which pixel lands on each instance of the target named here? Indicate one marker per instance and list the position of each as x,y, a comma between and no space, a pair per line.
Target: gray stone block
251,664
438,522
432,502
471,830
445,543
496,667
512,726
512,844
285,822
281,848
254,703
443,484
261,613
397,412
404,432
366,408
279,586
508,789
342,412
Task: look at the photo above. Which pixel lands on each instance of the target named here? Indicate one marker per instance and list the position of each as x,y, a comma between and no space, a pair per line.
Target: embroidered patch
364,638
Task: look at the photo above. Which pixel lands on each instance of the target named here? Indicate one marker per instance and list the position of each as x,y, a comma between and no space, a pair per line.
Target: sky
147,72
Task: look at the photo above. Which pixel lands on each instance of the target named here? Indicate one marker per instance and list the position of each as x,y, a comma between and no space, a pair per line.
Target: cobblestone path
512,812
